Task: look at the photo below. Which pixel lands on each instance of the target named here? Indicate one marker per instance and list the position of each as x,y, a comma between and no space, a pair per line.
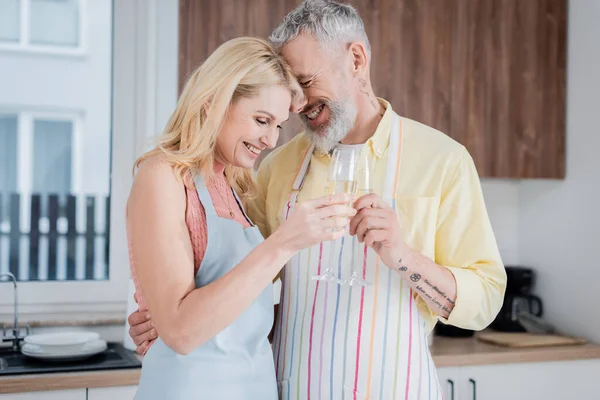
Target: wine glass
341,178
364,186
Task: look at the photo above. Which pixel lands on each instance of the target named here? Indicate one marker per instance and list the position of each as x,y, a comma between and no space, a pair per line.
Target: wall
559,222
502,202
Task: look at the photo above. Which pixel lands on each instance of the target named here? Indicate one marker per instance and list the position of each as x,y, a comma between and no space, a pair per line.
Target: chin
246,163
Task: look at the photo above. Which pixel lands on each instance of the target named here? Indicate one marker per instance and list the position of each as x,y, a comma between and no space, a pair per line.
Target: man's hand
377,225
142,331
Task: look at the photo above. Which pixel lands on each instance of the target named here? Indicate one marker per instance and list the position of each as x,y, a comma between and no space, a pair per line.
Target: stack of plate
63,346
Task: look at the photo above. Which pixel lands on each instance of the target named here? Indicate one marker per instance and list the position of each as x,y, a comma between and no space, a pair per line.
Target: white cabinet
112,393
449,379
522,381
74,394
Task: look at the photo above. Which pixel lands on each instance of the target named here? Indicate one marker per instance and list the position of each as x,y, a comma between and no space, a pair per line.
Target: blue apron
238,362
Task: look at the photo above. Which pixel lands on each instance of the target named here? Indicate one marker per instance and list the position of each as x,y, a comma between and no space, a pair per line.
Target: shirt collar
381,138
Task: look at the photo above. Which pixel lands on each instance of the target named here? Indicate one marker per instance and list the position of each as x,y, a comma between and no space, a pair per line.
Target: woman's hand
315,221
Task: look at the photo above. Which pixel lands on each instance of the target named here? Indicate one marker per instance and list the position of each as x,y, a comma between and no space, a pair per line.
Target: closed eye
306,84
261,121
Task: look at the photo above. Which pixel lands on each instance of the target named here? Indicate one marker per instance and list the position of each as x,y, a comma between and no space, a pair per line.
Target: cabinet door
75,394
508,85
112,393
526,381
449,379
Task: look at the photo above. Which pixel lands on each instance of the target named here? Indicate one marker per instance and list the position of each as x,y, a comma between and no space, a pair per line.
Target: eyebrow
269,115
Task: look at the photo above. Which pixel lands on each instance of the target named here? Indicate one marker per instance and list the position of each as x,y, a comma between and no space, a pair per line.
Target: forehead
273,99
305,56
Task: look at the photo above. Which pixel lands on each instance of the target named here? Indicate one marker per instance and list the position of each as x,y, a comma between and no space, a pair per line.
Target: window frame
144,93
24,45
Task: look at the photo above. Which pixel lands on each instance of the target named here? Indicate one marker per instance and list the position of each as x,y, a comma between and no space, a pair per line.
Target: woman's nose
298,104
270,139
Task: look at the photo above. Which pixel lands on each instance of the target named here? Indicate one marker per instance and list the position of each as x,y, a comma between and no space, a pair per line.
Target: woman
200,266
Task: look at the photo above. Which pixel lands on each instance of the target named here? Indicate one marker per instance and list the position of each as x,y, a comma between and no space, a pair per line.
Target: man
430,251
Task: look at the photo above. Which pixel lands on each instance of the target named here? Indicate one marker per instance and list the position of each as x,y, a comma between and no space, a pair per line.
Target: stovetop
114,357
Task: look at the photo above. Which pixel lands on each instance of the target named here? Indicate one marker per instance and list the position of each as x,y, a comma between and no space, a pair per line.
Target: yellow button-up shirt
439,204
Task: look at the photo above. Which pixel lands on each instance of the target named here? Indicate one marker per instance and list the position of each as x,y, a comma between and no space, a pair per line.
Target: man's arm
466,282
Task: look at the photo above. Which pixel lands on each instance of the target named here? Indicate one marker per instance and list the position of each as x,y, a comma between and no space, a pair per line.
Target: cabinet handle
472,381
451,382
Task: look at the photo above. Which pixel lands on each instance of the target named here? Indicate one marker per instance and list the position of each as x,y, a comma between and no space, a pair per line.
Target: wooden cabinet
489,73
508,85
523,381
112,393
74,394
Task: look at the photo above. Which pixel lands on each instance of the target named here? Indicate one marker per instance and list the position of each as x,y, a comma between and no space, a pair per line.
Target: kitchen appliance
114,357
520,306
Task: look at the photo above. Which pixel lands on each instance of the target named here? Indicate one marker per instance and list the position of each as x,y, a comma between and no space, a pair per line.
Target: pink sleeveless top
195,218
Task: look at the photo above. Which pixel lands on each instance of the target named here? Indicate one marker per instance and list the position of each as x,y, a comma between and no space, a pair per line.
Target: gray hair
330,22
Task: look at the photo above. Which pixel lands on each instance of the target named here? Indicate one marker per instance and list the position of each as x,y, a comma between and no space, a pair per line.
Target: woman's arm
184,316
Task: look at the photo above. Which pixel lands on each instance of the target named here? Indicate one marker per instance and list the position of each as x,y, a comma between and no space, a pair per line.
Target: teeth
315,112
253,149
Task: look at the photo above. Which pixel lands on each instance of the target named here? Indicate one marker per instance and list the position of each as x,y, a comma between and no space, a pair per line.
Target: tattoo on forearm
402,268
434,301
440,294
438,291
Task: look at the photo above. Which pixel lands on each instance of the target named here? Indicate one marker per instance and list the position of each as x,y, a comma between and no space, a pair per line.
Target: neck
369,114
218,168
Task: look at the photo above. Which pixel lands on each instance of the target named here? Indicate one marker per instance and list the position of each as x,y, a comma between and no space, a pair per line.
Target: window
8,170
52,156
54,22
70,130
9,21
55,26
56,153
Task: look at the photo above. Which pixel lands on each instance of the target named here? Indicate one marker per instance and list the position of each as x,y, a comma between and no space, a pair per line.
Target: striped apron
350,342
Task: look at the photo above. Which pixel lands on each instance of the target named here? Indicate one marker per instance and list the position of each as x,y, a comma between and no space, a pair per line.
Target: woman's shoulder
156,180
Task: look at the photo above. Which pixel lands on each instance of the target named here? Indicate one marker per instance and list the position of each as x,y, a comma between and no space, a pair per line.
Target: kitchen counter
69,380
455,352
446,352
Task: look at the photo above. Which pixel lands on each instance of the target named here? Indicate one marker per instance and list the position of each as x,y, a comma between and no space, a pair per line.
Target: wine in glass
364,186
341,178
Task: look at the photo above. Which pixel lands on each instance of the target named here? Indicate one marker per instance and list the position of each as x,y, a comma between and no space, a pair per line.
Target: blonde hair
239,68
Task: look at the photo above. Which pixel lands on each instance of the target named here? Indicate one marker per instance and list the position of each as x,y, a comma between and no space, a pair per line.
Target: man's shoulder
288,155
429,143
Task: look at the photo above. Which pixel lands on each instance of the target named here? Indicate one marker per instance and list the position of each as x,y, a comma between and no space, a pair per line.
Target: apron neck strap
303,169
204,195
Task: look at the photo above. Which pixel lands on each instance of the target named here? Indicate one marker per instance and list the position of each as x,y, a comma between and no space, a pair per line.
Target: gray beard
341,120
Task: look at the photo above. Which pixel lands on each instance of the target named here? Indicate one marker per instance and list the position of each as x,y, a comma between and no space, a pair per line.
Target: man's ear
360,57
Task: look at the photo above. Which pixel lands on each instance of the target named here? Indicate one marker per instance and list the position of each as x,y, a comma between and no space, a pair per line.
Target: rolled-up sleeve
465,244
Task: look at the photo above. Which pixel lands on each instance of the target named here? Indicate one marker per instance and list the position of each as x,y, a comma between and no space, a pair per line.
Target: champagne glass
364,186
341,178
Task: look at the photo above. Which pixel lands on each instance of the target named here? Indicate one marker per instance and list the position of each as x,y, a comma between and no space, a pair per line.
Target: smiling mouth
315,112
252,149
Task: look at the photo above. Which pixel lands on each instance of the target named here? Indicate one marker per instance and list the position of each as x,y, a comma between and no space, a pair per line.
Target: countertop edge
69,380
446,353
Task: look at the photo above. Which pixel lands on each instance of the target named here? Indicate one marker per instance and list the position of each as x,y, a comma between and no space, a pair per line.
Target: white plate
87,350
61,338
